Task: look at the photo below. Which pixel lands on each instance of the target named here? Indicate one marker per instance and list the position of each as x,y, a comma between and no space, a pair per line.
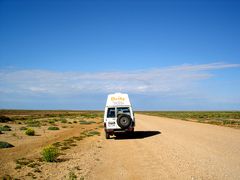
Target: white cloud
167,80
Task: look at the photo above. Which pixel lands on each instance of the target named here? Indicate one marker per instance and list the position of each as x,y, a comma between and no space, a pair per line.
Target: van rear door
111,118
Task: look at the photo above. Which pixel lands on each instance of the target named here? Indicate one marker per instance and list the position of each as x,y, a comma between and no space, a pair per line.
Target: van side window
111,113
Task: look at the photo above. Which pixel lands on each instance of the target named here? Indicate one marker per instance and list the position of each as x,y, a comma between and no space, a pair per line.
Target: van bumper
130,129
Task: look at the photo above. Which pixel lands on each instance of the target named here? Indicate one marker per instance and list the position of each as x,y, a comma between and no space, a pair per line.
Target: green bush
50,154
53,128
4,144
4,119
63,121
51,121
33,123
30,132
5,128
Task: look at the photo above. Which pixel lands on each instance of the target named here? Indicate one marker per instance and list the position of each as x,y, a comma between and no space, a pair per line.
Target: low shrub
33,123
51,121
50,154
63,121
53,128
5,128
4,144
93,133
4,119
30,132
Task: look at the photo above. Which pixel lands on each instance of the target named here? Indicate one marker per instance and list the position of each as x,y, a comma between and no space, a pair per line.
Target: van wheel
107,135
124,121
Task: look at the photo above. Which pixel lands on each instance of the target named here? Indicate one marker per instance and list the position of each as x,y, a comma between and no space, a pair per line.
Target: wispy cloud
159,80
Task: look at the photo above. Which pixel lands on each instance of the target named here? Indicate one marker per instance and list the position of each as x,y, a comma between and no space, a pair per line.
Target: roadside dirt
72,160
165,148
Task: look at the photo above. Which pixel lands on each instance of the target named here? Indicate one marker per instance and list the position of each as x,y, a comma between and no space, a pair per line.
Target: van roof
118,99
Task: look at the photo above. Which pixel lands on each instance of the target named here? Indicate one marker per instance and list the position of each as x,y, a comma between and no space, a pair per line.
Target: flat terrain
164,148
221,118
161,148
77,140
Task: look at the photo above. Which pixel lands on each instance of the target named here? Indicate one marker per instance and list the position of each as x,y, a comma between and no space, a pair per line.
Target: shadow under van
136,135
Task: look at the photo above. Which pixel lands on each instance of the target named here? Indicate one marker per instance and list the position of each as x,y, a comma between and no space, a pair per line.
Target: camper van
118,115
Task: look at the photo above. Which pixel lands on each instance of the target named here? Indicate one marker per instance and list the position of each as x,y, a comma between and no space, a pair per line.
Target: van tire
107,135
124,121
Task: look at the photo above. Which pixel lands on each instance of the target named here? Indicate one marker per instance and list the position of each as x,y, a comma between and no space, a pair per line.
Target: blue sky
168,55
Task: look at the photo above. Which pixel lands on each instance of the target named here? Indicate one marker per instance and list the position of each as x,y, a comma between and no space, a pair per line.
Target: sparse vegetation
50,154
5,128
18,166
63,120
53,128
23,161
33,176
33,164
51,121
86,122
4,144
4,119
33,123
30,132
224,118
72,175
77,138
57,144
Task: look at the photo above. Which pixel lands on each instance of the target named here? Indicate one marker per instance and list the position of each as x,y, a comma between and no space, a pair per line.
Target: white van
118,115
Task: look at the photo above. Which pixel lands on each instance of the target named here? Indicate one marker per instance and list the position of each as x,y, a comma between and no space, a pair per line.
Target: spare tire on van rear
124,121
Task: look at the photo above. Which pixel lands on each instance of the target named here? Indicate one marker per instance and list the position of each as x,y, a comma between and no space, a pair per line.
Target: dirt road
165,148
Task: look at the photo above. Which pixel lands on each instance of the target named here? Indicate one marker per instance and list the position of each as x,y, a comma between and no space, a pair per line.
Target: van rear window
111,113
124,110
